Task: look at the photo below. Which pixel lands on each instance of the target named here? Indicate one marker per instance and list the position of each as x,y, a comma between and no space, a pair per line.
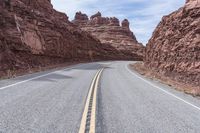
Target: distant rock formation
110,32
80,16
98,14
174,48
125,23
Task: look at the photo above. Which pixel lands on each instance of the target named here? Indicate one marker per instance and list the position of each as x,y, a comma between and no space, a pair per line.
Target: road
55,102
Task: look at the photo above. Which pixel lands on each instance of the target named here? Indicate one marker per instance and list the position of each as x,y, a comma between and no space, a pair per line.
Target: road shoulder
186,88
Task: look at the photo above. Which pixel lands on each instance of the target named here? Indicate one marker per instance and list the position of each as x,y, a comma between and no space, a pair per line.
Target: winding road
101,97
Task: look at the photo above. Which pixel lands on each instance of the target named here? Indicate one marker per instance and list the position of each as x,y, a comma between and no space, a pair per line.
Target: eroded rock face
192,4
98,14
109,32
125,23
174,48
33,34
80,16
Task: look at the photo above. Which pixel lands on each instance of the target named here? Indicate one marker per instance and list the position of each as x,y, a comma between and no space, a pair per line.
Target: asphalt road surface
54,102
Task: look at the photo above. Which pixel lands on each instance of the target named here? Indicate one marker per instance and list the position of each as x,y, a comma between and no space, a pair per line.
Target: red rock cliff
174,48
109,32
33,34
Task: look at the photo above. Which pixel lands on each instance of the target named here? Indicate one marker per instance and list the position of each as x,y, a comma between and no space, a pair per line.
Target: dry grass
187,88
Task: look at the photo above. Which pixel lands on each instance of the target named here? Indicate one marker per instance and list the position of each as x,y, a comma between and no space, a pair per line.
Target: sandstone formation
33,34
174,49
111,33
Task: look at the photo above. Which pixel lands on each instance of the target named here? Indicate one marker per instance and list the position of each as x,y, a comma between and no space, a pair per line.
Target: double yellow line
89,115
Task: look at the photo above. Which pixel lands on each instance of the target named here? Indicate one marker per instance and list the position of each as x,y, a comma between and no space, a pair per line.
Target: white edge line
1,88
70,67
162,89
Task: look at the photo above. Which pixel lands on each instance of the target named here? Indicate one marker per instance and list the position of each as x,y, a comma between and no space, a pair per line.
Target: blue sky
143,15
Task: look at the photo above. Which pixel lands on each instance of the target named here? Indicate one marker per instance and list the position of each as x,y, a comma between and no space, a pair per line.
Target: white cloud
144,15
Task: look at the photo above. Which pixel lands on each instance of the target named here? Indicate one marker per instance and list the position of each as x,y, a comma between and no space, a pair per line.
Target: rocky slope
110,32
174,49
33,34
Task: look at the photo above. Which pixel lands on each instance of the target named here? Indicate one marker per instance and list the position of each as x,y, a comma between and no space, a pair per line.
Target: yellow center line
93,88
93,115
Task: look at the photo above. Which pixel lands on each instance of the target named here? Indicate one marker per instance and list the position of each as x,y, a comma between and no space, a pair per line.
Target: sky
143,15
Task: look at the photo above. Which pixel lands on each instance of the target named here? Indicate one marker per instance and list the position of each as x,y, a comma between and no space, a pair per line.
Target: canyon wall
111,33
174,48
33,34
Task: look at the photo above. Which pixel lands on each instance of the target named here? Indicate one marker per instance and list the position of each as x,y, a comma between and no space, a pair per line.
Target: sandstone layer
111,33
174,49
33,34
